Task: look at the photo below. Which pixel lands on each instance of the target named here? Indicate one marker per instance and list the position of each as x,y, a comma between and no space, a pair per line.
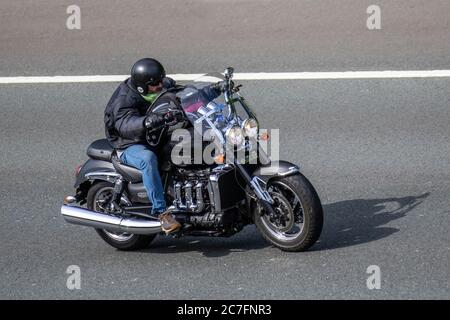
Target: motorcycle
215,199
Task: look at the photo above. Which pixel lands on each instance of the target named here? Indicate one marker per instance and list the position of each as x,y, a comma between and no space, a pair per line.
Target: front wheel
298,219
98,198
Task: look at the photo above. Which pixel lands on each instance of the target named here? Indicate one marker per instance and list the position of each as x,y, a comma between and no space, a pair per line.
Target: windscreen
202,108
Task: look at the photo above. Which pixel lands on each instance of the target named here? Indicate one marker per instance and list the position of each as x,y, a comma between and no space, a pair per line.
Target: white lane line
343,75
244,76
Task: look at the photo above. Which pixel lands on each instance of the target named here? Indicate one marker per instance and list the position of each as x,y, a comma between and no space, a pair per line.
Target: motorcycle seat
130,174
100,149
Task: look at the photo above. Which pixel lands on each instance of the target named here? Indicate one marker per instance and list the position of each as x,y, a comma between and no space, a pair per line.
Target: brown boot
168,222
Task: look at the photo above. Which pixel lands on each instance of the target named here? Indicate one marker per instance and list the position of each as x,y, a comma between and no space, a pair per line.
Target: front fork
258,186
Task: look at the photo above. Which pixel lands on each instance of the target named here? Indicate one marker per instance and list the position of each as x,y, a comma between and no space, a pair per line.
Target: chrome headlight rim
250,127
232,138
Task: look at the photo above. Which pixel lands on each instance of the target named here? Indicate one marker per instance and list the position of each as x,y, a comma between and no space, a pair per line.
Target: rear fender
96,170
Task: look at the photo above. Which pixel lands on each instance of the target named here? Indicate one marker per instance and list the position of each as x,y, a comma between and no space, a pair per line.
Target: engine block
191,190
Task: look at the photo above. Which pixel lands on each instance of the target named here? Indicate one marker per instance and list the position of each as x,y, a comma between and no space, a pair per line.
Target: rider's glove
171,118
154,121
168,83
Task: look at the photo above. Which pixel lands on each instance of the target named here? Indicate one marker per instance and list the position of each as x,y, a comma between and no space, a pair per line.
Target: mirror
229,72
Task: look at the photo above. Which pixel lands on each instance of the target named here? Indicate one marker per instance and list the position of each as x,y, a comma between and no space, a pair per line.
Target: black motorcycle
215,198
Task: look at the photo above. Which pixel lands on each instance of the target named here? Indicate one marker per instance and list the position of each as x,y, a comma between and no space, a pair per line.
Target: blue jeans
142,158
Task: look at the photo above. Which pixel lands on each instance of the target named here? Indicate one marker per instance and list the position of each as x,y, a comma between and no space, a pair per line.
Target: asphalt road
196,36
378,151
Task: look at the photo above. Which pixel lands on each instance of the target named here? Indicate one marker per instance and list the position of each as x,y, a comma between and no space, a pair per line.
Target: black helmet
146,72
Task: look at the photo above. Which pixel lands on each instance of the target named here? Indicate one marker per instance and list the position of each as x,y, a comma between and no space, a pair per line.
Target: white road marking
244,76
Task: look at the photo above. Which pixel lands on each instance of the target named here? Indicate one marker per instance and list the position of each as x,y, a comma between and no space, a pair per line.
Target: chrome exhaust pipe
85,217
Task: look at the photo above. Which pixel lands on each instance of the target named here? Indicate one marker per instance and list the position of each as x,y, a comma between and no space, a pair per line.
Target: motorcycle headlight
250,127
235,135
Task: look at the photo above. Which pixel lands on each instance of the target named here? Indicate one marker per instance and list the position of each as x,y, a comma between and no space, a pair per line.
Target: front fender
266,172
275,169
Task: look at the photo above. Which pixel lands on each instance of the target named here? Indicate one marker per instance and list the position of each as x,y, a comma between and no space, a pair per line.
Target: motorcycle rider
126,124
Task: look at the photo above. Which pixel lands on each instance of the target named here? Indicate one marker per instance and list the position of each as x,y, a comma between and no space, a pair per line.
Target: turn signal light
264,136
220,158
78,169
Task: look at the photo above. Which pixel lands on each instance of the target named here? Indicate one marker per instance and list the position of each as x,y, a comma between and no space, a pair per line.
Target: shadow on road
358,221
347,223
247,240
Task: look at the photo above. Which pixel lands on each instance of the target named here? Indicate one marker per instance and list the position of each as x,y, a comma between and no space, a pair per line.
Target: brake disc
285,216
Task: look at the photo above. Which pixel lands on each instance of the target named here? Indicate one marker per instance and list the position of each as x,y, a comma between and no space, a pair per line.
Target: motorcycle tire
312,216
124,242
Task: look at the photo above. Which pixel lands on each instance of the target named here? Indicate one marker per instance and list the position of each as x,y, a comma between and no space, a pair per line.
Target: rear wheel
98,198
298,219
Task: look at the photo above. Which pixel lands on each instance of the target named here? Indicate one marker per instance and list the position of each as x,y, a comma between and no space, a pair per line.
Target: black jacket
126,111
124,117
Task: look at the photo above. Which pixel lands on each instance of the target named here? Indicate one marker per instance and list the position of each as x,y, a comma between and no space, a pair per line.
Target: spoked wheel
99,200
297,222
